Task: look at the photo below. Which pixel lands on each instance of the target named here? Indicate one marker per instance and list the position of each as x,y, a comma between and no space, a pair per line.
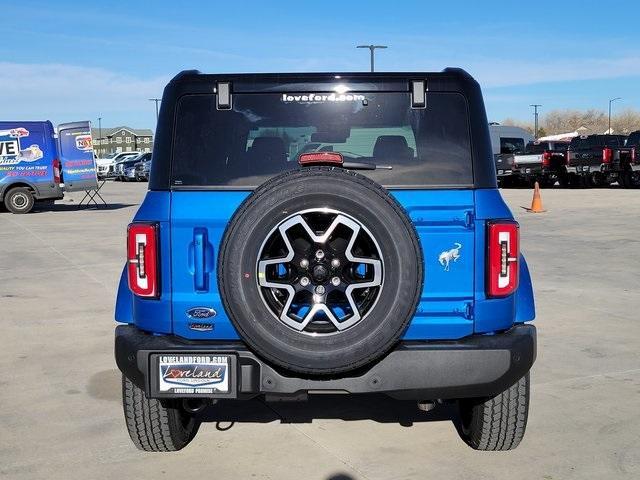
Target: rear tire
563,178
497,423
19,200
629,179
152,426
578,181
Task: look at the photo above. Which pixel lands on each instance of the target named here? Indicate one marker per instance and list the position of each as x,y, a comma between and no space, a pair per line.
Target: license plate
194,373
500,172
528,170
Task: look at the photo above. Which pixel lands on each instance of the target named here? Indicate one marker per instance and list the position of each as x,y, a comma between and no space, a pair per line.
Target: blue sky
69,60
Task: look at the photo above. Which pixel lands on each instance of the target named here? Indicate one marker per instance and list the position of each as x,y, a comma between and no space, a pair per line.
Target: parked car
630,168
543,162
595,160
129,174
142,168
123,163
107,165
251,274
506,142
30,169
103,167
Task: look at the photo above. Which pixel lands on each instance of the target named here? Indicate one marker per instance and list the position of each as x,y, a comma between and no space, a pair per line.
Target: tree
594,121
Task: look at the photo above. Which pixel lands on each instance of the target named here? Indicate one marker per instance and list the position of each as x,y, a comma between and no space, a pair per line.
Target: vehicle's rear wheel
320,271
19,200
547,181
578,181
496,423
152,426
563,178
598,180
629,179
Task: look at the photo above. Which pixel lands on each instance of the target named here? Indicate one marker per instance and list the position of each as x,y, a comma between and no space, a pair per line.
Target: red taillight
321,158
607,155
142,259
503,251
56,170
546,159
633,155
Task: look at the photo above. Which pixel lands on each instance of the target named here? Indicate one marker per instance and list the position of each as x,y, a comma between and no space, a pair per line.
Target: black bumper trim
476,366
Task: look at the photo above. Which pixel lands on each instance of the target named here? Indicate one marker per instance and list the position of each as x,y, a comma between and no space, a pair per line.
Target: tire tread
498,423
152,426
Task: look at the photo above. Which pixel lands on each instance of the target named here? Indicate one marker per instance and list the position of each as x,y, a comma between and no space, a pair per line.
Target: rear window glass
633,139
511,145
535,148
264,134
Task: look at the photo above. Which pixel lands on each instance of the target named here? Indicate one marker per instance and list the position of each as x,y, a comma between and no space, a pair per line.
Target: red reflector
633,155
142,259
321,158
56,170
546,159
607,155
503,251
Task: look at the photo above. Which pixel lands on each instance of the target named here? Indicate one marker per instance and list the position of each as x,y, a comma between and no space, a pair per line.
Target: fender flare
124,300
525,304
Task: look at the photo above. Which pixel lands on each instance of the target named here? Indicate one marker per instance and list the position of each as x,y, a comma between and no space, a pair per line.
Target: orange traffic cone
536,203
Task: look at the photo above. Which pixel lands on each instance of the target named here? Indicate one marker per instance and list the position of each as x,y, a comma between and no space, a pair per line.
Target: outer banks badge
185,374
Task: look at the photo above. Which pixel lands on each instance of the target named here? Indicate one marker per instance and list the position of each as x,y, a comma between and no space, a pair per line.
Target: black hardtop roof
450,79
192,82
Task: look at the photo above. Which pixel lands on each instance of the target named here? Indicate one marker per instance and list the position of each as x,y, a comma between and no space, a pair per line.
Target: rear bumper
477,366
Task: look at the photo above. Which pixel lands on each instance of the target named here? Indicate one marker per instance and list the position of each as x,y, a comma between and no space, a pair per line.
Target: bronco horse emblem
447,256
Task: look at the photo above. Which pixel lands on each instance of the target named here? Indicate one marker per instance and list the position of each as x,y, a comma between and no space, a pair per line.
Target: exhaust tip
194,405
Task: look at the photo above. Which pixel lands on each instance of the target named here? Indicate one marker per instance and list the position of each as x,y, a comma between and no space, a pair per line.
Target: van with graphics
39,165
30,169
324,233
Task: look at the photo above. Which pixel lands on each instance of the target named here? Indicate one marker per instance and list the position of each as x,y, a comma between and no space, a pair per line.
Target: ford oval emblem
201,312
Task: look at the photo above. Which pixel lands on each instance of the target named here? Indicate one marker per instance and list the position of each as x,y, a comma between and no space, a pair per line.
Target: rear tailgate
443,220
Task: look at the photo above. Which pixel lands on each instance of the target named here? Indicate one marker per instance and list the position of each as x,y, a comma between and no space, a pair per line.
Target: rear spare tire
320,271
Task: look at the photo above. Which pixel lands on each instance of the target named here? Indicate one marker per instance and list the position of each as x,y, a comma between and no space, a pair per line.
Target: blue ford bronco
324,233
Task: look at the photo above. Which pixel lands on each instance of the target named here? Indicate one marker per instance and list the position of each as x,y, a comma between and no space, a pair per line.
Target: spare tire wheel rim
320,271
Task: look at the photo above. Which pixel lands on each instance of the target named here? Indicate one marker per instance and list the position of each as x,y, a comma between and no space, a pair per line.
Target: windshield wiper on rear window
365,166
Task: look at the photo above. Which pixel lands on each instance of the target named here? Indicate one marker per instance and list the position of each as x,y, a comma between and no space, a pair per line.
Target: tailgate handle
199,260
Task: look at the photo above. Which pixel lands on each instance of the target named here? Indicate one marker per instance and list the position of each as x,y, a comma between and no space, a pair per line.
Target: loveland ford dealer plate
193,374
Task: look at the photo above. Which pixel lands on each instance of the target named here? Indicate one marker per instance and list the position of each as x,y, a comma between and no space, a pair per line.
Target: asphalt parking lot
61,414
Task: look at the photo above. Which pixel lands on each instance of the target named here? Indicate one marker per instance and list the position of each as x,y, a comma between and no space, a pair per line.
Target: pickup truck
388,264
544,162
630,167
596,160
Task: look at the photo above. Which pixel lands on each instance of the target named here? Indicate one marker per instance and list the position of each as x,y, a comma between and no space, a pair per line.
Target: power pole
100,134
157,100
610,102
372,49
535,119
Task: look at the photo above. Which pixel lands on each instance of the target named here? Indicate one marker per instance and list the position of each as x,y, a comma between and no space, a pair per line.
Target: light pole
535,118
100,134
610,102
372,49
157,100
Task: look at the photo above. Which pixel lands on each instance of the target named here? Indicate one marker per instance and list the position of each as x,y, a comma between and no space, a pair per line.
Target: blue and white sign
76,154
